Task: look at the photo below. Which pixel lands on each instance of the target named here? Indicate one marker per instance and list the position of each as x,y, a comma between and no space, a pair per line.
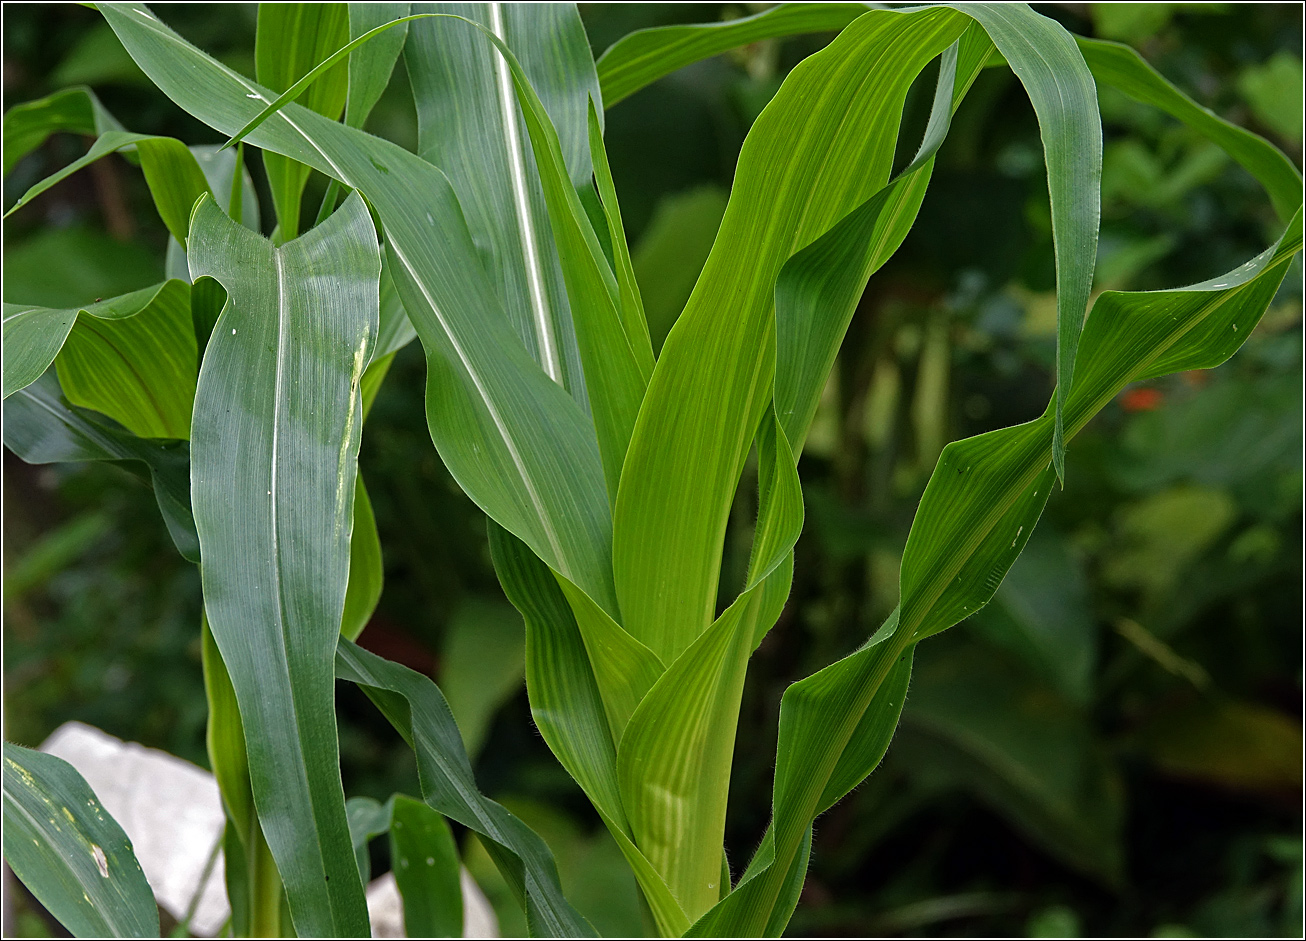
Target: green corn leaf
417,710
470,126
76,110
325,68
33,336
426,867
516,442
275,571
646,55
679,743
290,40
253,883
632,305
818,288
568,708
982,500
140,370
368,818
1048,63
370,68
70,853
41,427
615,376
823,145
1124,69
171,170
366,570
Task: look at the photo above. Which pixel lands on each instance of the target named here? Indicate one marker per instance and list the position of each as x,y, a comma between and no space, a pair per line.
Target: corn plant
240,387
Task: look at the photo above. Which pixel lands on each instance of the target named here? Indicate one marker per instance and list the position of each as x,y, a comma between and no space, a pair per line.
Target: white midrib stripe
521,201
534,495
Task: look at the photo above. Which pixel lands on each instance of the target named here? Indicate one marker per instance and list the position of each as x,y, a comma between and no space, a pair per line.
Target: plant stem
264,886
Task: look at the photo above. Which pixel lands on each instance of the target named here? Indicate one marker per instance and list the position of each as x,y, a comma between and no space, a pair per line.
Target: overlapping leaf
41,427
514,440
77,110
417,710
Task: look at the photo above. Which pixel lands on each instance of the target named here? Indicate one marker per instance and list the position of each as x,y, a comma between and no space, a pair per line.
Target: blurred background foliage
1113,747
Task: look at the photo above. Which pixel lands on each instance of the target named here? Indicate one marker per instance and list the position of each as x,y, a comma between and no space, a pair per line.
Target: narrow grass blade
174,177
366,571
632,305
274,446
646,55
427,870
41,427
290,40
515,441
414,706
76,110
69,853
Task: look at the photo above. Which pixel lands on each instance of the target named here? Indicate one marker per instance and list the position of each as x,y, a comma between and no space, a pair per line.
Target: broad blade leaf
71,854
33,336
140,370
274,447
823,145
370,65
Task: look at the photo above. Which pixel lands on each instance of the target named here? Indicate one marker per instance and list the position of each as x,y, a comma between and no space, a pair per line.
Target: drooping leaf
1052,69
41,427
140,370
514,440
175,178
646,55
33,336
70,853
290,348
76,110
417,710
1125,70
